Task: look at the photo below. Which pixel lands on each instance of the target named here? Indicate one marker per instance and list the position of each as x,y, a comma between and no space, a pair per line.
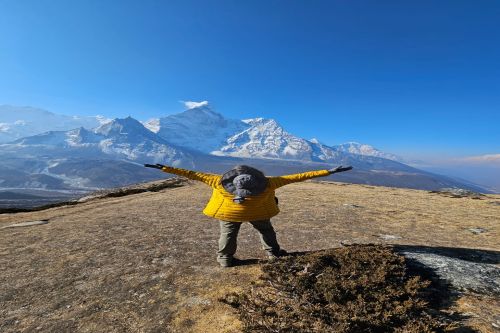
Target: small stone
470,314
352,205
25,224
478,230
196,300
388,237
459,193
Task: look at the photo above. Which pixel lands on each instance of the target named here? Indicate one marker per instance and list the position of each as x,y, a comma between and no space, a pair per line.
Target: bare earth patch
145,262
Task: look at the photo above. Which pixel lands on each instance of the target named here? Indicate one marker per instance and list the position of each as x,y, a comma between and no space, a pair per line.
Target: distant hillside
18,196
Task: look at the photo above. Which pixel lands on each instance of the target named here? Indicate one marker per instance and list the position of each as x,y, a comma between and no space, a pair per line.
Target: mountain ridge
258,141
17,122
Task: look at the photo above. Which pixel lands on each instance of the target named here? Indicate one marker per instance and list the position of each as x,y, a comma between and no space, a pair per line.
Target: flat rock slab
479,277
26,224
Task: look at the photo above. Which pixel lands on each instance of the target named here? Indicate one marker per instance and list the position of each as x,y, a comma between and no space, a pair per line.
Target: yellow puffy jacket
254,208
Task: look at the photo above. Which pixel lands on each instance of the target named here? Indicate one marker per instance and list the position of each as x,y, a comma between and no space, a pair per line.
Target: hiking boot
225,262
272,256
230,262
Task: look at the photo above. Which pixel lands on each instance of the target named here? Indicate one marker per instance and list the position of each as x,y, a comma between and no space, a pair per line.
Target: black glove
155,166
339,169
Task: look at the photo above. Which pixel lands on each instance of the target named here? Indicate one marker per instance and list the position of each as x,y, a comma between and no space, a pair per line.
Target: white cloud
432,160
489,158
4,127
192,105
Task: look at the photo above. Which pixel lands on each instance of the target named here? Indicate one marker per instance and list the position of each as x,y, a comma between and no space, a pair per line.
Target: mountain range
18,122
93,152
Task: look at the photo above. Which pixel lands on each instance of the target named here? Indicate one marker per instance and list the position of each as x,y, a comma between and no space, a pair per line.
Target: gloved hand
155,166
339,169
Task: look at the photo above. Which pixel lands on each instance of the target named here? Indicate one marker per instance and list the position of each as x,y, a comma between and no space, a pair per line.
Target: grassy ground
146,262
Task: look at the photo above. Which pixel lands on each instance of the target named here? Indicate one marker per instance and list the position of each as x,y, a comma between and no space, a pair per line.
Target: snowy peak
198,112
123,126
51,138
203,112
365,150
314,141
265,125
123,138
265,138
129,138
152,124
195,117
82,137
74,138
199,128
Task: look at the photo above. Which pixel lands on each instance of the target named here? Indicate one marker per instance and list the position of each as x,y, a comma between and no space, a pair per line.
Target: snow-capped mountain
265,138
18,122
130,139
202,129
121,138
110,155
198,138
365,150
197,128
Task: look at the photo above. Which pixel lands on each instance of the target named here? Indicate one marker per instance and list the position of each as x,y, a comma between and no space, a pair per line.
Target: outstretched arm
207,178
299,177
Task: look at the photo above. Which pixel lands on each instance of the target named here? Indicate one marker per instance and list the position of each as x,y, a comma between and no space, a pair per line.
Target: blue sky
413,78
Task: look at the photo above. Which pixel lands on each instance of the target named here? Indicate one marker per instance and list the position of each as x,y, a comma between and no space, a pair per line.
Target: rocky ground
145,261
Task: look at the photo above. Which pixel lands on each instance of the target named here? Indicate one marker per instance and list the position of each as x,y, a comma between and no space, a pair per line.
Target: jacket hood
243,181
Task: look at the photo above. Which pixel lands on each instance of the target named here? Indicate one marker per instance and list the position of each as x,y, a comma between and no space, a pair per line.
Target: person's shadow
246,262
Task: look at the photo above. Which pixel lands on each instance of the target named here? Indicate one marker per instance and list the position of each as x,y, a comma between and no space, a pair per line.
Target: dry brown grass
146,262
359,288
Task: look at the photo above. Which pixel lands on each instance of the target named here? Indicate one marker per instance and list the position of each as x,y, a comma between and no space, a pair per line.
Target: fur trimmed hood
244,181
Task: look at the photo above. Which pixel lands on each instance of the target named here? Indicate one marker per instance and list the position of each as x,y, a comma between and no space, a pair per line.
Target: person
244,194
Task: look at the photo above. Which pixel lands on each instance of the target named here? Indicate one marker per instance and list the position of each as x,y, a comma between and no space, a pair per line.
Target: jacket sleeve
298,177
207,178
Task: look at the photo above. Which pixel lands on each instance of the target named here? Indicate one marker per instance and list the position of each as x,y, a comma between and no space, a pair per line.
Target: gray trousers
229,234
